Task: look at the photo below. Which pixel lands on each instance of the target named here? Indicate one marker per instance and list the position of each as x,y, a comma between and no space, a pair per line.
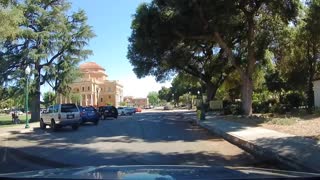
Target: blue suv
89,114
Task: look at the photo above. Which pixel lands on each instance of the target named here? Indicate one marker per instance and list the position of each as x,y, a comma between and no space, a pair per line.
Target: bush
278,108
232,108
293,100
260,107
263,107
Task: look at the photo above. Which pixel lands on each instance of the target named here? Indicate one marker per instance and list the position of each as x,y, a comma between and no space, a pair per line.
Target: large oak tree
52,41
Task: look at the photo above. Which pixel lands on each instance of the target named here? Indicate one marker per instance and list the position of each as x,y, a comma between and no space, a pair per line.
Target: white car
123,111
61,115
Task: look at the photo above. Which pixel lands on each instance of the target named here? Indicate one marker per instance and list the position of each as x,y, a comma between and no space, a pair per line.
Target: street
149,138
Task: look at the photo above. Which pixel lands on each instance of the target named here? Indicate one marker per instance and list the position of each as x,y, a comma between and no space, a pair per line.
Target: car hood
158,172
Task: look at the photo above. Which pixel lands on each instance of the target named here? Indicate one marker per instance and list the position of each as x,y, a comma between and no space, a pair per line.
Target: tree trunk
35,99
211,91
247,72
311,64
246,94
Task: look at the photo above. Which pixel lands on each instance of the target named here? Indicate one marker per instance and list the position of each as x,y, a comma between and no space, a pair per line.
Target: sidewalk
296,152
17,128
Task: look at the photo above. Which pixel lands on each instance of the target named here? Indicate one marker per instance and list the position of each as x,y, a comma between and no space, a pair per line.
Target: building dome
91,66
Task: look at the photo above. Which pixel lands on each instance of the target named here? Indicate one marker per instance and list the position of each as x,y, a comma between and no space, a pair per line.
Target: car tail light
59,116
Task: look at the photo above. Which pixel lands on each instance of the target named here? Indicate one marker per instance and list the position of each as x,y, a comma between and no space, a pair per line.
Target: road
150,138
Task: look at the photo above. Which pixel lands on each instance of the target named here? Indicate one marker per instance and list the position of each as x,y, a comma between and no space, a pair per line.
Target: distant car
138,109
60,115
123,111
108,111
20,113
89,114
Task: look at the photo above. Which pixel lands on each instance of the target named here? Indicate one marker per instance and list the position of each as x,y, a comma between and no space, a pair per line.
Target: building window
101,100
109,97
82,88
88,88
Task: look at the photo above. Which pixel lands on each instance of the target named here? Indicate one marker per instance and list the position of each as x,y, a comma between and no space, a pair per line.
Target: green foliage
164,94
52,41
153,98
75,98
294,100
274,82
157,49
48,98
10,18
123,104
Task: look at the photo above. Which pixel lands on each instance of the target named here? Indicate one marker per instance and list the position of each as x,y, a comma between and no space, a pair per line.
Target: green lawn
5,119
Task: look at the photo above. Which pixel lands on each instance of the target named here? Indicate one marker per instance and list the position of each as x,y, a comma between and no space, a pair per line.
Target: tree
162,53
75,98
240,31
153,98
52,42
164,94
311,42
185,84
48,98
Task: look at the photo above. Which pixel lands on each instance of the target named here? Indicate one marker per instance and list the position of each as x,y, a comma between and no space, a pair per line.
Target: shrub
278,108
294,100
232,108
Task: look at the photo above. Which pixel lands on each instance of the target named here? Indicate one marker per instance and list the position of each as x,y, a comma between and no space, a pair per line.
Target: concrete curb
262,153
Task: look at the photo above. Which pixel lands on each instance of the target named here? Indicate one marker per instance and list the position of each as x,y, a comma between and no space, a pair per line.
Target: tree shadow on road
111,143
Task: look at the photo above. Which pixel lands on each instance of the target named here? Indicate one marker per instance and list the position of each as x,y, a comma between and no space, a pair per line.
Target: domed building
94,88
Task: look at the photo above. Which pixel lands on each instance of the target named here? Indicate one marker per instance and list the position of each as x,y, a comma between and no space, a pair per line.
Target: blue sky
111,21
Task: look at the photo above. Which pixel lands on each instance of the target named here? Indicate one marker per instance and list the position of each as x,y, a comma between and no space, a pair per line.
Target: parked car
123,111
89,114
131,110
60,115
108,111
138,109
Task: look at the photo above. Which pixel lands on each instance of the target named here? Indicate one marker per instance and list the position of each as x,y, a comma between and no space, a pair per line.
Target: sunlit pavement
149,138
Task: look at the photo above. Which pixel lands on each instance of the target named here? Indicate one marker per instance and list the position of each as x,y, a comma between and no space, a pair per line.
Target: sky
111,21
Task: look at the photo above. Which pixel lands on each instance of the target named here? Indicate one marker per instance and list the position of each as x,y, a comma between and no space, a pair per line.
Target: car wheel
42,124
122,114
75,127
54,126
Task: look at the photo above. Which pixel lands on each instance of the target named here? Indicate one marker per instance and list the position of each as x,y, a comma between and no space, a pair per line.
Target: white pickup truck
60,115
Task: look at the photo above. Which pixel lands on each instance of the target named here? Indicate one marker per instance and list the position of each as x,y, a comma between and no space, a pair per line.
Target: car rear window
89,109
69,108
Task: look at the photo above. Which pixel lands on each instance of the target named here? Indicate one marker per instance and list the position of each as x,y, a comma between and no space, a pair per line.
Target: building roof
91,66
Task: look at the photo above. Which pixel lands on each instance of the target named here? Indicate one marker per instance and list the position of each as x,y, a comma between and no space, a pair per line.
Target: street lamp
27,71
202,115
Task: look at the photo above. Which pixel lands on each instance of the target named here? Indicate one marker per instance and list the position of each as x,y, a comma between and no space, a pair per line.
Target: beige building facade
94,88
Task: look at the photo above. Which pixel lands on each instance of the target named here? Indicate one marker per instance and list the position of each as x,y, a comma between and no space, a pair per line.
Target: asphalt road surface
150,138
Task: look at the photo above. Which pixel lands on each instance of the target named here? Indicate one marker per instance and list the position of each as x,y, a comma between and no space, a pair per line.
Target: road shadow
75,147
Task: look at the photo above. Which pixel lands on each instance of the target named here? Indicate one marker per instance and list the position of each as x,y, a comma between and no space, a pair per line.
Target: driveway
150,138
